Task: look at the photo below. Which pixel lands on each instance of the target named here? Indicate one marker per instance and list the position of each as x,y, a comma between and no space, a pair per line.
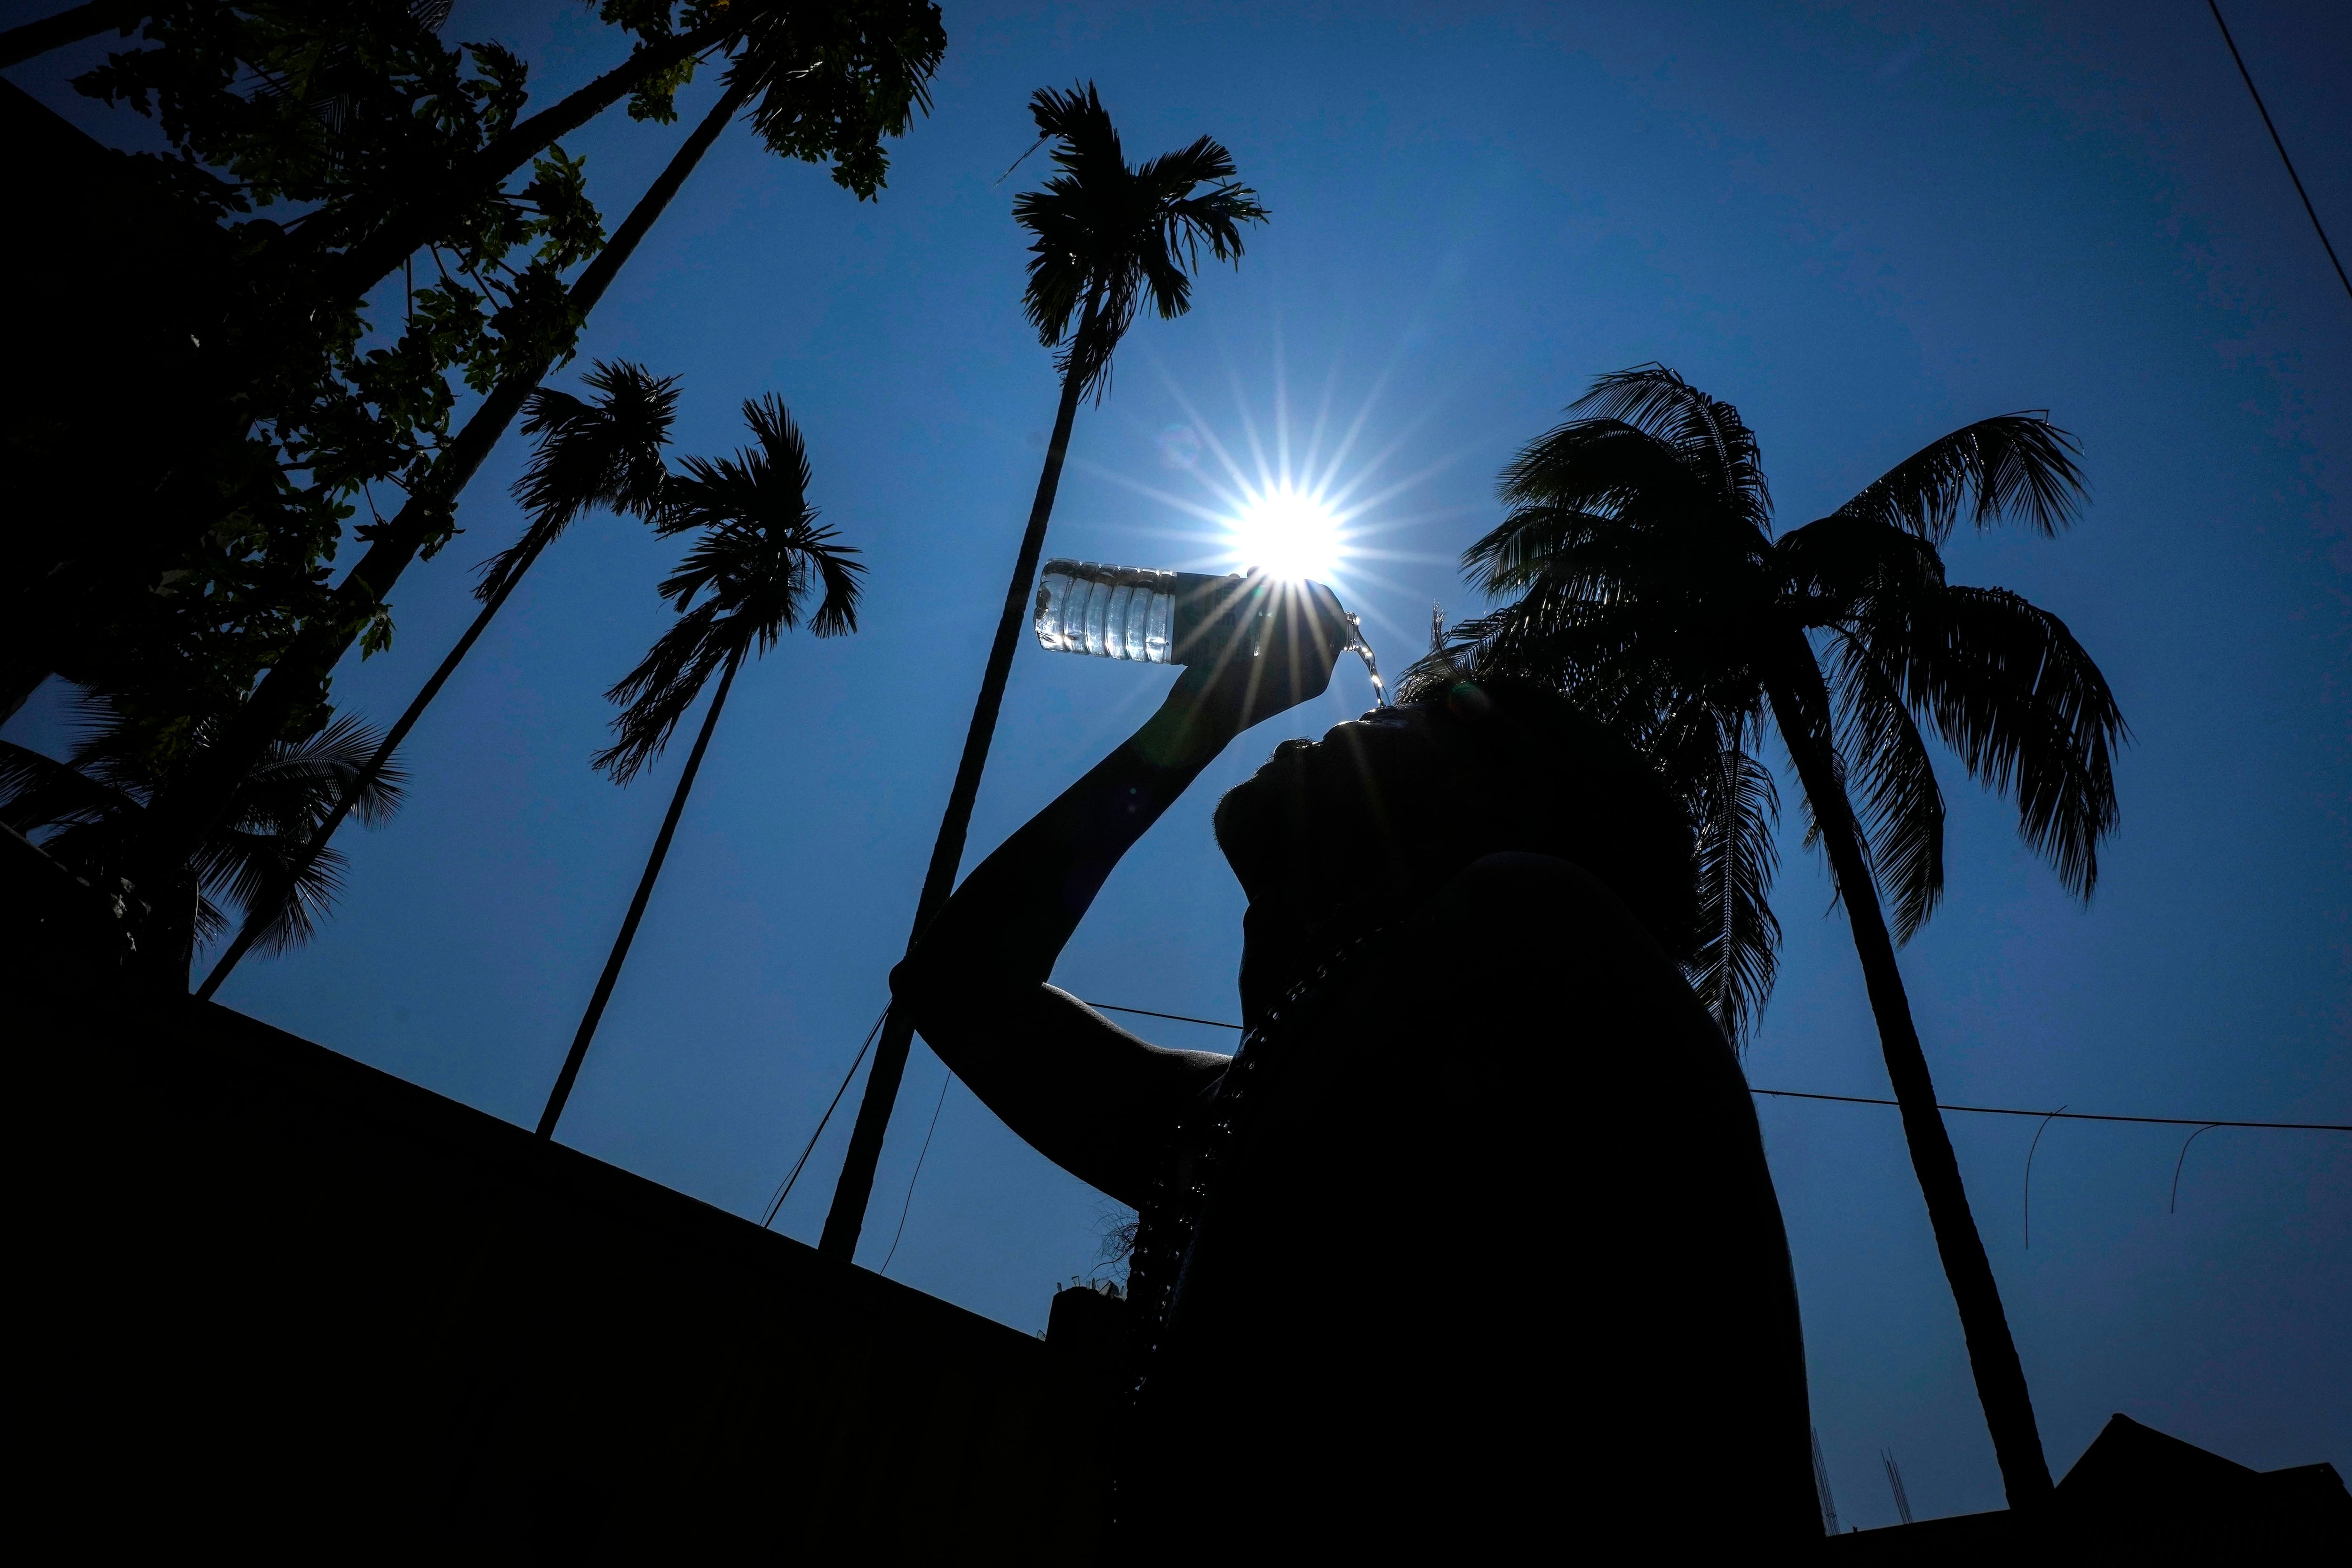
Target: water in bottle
1162,617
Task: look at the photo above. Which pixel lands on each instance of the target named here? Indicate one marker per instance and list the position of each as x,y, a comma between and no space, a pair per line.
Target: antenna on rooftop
1822,1487
1895,1481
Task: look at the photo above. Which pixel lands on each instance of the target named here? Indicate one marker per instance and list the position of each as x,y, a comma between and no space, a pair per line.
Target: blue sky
1863,223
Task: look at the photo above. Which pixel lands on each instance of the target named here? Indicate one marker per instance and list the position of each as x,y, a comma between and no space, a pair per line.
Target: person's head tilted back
1386,809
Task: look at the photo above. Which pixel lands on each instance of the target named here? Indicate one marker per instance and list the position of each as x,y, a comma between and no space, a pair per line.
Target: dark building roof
2138,1496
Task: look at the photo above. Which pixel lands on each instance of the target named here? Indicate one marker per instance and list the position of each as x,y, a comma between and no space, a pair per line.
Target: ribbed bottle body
1109,612
1145,617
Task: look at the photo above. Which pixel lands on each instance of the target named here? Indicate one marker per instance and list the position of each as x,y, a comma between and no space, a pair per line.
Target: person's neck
1284,939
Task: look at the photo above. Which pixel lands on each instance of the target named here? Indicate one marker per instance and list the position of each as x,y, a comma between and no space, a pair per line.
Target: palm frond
1560,546
296,783
1106,237
251,860
763,487
1638,576
2011,466
252,870
1601,466
1898,805
1739,946
1066,252
1706,435
606,452
1833,569
655,696
744,583
2022,705
38,792
97,800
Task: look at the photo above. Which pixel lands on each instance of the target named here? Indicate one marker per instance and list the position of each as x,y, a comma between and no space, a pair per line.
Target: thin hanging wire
2260,108
2172,1205
2031,1151
909,1203
785,1189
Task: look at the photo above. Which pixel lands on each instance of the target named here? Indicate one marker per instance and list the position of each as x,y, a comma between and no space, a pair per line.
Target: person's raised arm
1092,1097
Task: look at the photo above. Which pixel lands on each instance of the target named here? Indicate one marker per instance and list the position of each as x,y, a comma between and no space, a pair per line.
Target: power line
2247,76
785,1190
2069,1115
907,1206
1867,1100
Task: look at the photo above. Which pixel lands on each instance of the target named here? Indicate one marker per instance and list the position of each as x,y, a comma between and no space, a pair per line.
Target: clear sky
1864,224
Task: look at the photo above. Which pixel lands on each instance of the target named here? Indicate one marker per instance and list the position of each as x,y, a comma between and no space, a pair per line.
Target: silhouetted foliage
606,452
332,143
85,811
603,452
758,554
1645,581
747,579
284,120
397,152
1110,237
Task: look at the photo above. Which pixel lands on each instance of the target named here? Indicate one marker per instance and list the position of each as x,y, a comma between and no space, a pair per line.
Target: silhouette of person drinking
1472,1248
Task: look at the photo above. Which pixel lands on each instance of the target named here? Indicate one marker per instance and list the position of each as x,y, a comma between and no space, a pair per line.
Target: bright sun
1286,532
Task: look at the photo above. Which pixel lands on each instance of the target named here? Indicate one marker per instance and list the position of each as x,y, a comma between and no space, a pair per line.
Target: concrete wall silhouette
280,1299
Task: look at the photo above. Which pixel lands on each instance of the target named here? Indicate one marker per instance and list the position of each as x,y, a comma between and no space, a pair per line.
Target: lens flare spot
1179,447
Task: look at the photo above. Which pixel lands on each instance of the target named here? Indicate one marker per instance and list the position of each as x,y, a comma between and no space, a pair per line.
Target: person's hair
1550,780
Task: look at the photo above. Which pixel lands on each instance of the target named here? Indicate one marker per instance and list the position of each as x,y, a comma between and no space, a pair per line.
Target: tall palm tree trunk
258,919
847,1216
187,811
620,953
1992,1353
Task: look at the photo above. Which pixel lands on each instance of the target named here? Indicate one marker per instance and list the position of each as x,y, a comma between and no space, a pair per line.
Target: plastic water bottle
1161,617
1113,612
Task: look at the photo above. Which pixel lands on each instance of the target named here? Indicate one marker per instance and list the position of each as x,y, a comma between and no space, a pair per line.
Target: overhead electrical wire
785,1189
907,1207
2260,108
2071,1115
2200,1123
1866,1099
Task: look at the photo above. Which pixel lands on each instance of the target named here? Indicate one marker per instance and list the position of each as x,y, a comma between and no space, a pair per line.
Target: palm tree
832,81
843,74
760,554
1649,586
258,857
1107,239
185,813
605,454
823,92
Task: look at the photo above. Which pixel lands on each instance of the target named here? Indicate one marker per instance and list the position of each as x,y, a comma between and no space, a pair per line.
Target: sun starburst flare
1314,504
1287,533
